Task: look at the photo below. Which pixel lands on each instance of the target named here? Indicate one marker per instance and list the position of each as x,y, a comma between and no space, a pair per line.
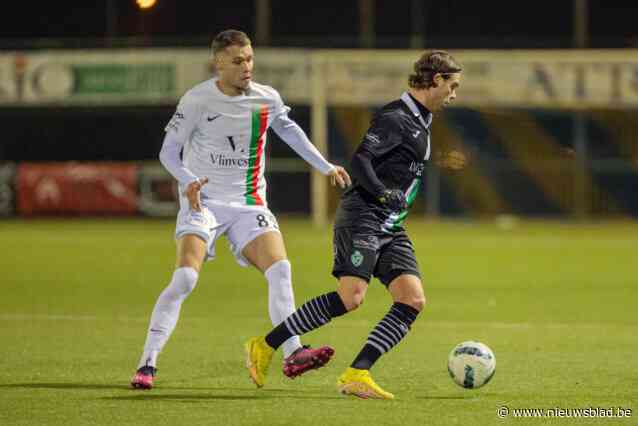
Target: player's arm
294,136
383,136
178,130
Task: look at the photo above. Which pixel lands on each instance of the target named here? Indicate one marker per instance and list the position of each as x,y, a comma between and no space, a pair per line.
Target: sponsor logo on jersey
373,138
231,141
213,117
226,162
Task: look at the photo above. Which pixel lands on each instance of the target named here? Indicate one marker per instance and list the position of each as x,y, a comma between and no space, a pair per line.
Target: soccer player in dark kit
369,238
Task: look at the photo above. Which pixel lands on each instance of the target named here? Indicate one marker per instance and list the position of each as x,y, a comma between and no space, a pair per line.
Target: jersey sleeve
184,120
382,137
178,131
170,158
280,107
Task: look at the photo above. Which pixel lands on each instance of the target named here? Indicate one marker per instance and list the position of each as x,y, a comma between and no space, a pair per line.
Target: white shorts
239,224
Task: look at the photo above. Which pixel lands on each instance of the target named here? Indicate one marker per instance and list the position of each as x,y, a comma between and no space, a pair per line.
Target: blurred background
529,246
545,118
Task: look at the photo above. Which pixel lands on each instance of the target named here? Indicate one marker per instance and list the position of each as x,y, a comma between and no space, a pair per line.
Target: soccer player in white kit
221,125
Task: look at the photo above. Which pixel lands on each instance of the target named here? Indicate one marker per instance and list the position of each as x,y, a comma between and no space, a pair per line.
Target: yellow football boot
360,384
258,357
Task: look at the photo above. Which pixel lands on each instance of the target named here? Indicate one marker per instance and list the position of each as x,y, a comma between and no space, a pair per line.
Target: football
471,364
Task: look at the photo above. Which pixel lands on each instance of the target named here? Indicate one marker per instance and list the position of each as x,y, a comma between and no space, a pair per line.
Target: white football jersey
225,139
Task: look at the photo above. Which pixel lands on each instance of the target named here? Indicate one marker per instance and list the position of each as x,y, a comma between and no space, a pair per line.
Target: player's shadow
225,393
185,397
195,397
110,386
445,397
96,386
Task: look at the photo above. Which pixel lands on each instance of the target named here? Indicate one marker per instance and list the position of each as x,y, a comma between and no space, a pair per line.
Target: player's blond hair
228,38
432,63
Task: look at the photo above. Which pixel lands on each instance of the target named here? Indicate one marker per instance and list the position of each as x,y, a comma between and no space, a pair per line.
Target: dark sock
312,314
387,334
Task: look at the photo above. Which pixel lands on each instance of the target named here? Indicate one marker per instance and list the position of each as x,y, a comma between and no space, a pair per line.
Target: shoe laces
147,370
291,358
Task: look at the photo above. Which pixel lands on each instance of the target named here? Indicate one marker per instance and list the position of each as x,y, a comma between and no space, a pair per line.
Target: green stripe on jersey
410,197
259,117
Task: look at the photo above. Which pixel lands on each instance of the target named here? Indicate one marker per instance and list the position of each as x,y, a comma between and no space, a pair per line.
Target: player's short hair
228,38
432,63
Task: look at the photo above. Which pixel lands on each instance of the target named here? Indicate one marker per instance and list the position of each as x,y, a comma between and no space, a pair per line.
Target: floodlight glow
145,4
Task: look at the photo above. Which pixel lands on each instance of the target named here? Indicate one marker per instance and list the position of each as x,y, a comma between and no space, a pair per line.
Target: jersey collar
425,121
222,95
407,99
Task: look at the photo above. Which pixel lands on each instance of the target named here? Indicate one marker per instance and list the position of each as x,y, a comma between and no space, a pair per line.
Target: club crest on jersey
356,258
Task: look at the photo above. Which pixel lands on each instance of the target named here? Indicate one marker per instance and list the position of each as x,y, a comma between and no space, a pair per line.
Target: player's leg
353,277
191,251
397,268
267,253
194,233
311,315
354,261
320,311
255,239
351,291
407,293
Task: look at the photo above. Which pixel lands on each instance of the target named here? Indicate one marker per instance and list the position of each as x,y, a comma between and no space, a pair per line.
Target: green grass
556,302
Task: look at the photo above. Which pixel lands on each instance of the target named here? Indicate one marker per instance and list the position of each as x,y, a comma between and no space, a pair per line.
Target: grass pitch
556,302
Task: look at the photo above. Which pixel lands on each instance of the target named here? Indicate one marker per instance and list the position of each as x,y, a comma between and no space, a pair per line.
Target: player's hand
338,175
453,160
192,193
394,199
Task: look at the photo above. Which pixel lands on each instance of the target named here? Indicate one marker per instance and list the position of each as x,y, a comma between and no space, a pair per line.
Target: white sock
281,300
166,313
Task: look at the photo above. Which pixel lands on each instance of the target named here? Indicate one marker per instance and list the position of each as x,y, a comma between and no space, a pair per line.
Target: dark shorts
364,254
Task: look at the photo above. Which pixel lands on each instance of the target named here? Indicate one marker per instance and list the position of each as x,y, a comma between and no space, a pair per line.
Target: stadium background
530,248
564,147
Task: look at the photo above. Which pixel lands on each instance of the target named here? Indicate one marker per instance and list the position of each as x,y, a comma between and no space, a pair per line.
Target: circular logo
356,258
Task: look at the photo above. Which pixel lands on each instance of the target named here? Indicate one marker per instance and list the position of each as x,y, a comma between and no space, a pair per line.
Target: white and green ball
471,364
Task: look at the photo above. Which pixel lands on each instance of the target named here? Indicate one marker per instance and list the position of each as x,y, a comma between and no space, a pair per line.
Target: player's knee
186,279
418,302
414,299
353,300
352,292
